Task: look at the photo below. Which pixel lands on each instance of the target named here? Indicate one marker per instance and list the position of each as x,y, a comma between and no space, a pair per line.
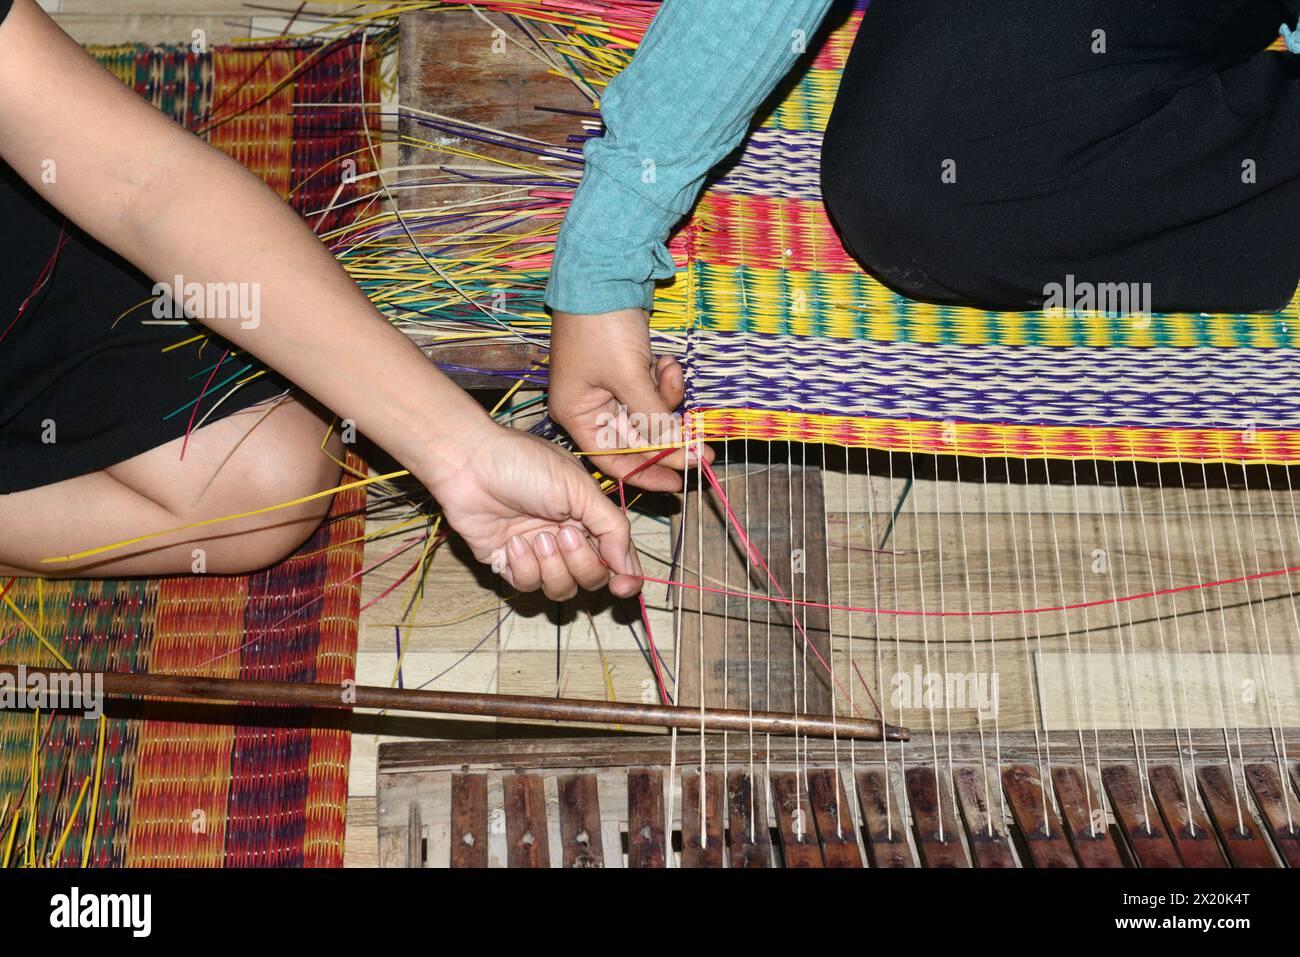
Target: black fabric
1117,167
74,361
74,369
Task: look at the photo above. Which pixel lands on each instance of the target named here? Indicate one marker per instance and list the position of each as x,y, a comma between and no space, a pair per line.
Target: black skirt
981,151
85,382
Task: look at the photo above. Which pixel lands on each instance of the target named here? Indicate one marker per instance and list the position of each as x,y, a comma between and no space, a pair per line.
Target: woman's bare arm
173,205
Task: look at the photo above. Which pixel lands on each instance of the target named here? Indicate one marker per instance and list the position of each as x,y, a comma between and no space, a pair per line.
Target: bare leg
264,455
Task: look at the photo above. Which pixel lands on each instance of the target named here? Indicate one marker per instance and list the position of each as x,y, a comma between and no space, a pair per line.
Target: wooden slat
885,821
469,820
833,814
1139,821
1245,846
580,821
1044,836
392,846
414,836
934,820
1085,818
640,750
1186,823
710,851
1275,800
450,64
799,844
751,841
527,844
645,818
456,361
989,843
783,681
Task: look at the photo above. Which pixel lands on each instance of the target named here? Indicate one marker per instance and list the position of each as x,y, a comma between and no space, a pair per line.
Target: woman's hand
610,392
530,510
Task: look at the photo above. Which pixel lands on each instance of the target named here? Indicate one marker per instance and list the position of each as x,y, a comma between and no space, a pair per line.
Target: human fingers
525,571
557,583
606,524
582,560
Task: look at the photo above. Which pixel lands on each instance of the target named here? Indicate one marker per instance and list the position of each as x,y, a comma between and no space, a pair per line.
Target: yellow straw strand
94,797
72,818
9,602
100,550
33,782
13,833
397,669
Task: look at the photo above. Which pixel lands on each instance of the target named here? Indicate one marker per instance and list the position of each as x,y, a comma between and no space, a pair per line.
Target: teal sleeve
684,103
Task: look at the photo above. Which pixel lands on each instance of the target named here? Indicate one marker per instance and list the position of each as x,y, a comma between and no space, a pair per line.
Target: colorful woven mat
181,785
289,111
791,340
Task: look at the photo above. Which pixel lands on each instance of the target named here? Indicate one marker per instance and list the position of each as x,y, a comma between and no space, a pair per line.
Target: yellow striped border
997,440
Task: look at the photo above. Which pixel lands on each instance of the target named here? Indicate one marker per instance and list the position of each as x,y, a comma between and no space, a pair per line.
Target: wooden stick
349,696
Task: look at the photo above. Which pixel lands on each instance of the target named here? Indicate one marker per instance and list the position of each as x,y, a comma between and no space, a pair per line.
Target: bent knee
284,477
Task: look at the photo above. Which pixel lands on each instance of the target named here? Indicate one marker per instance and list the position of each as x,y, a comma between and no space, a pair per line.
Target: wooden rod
125,685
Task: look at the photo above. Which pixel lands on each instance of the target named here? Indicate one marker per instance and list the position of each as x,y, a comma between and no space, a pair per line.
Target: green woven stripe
854,306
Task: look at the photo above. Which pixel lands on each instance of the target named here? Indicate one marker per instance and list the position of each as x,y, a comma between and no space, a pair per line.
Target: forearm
313,324
683,104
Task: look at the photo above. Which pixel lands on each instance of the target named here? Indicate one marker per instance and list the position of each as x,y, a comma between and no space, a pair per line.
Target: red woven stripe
178,801
766,232
336,661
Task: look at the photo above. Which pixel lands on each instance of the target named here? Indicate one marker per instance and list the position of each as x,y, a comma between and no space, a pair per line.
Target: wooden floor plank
1085,818
751,841
469,820
645,818
1184,822
712,554
527,843
885,821
934,820
1043,834
392,846
799,844
414,837
580,821
1229,811
988,839
703,847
